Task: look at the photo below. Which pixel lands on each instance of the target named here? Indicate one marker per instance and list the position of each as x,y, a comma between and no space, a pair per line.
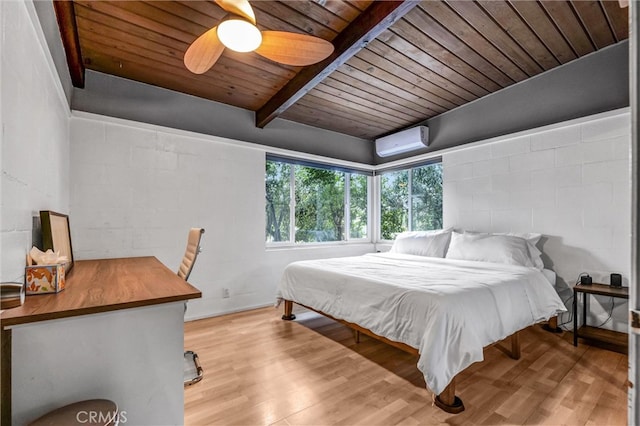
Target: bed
444,310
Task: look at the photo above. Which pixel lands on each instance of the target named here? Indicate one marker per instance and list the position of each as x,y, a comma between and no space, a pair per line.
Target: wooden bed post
288,311
448,401
515,345
552,325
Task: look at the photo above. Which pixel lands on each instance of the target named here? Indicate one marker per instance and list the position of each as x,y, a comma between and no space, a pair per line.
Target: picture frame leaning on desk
56,235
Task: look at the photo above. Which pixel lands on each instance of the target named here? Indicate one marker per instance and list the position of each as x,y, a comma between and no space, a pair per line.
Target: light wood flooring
260,370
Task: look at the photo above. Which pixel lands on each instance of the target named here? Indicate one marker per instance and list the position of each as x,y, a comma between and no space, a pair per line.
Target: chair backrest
190,255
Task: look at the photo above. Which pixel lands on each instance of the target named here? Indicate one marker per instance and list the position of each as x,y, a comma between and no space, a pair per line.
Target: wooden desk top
104,285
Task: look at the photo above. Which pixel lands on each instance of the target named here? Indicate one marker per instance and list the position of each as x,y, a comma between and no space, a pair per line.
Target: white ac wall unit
404,141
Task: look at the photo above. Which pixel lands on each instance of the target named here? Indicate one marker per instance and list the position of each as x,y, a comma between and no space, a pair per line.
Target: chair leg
199,369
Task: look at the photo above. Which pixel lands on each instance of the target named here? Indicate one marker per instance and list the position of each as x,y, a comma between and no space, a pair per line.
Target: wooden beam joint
379,16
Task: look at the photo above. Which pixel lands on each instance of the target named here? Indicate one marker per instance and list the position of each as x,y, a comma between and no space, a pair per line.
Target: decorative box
45,279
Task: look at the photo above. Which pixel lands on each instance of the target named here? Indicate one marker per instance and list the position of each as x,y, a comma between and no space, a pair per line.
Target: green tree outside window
278,194
323,199
410,200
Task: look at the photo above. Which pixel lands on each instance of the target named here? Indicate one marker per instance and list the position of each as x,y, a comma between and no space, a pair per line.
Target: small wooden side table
612,339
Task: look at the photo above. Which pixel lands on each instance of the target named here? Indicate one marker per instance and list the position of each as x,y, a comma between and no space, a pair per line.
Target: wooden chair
189,259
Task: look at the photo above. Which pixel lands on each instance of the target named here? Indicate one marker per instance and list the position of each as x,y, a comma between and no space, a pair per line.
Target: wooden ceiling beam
66,17
379,16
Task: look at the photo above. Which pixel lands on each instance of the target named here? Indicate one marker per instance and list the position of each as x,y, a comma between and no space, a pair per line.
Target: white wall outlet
225,293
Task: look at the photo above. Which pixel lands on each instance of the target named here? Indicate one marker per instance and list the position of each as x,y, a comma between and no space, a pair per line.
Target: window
320,204
278,189
394,204
410,200
313,204
358,207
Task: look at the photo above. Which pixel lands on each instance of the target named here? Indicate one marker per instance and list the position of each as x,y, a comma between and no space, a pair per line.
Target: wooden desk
93,287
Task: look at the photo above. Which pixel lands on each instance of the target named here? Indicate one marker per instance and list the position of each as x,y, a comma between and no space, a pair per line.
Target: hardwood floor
260,370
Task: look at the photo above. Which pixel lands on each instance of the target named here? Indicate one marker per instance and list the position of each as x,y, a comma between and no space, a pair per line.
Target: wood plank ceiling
438,56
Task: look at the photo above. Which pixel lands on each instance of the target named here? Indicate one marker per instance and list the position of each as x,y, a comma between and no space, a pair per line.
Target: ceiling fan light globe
239,35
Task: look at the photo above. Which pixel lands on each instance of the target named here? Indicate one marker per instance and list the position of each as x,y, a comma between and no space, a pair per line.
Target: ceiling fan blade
238,7
203,52
293,49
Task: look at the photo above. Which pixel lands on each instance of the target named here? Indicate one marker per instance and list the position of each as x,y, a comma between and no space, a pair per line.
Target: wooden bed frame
447,399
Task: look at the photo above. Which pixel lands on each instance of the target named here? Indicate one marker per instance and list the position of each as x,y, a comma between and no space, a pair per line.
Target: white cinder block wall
137,189
35,134
570,182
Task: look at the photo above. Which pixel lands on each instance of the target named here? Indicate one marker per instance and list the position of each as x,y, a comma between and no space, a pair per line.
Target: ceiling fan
238,32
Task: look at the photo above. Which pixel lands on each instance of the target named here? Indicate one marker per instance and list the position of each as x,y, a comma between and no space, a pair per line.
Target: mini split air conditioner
404,141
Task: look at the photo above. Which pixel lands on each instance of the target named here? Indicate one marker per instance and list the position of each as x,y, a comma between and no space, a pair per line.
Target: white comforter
447,309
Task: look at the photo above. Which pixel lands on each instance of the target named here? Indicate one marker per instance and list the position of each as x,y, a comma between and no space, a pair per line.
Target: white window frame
347,206
378,190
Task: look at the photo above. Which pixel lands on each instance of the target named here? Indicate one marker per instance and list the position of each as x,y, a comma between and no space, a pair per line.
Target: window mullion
410,190
347,206
292,205
372,218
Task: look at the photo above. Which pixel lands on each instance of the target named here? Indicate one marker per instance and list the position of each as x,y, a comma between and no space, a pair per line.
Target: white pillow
505,249
535,255
532,239
422,243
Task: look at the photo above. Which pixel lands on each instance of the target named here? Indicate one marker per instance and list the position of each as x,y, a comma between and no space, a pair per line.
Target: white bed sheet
447,309
549,275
